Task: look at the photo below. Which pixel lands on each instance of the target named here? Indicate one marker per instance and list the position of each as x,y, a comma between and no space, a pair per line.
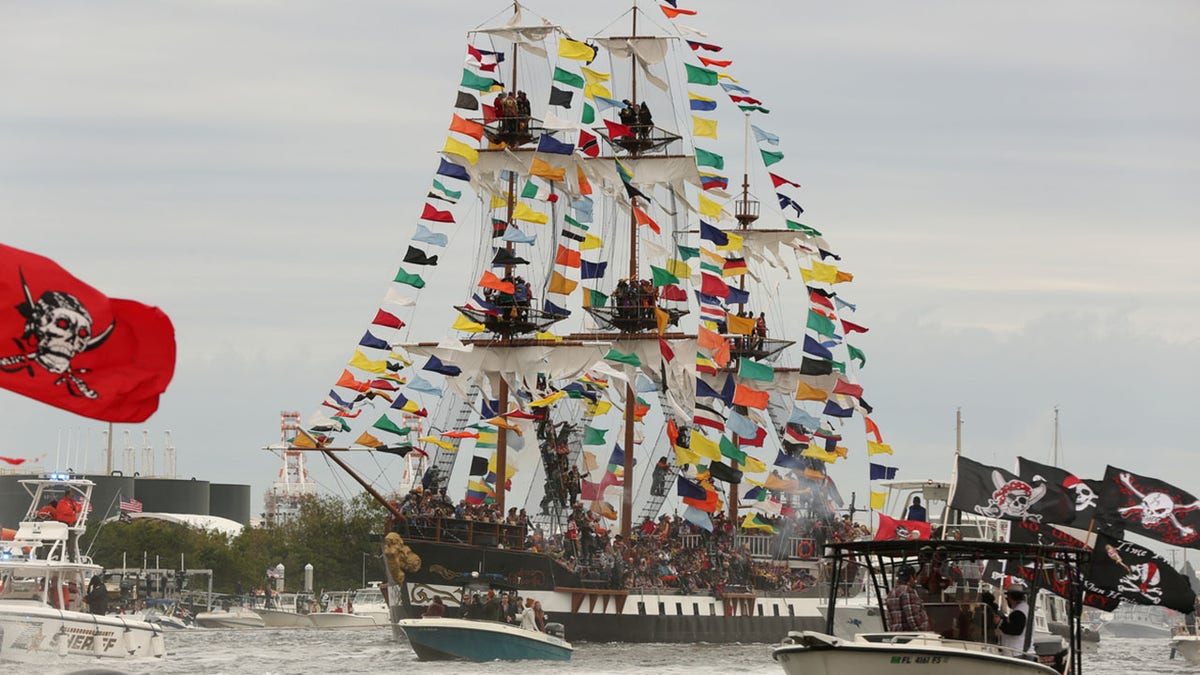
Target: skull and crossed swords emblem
57,329
1157,508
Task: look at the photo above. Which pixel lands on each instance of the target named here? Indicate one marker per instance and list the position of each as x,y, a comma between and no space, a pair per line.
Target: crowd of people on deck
635,299
512,305
514,110
637,117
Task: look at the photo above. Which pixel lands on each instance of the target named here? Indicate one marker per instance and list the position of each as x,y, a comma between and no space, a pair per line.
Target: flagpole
958,423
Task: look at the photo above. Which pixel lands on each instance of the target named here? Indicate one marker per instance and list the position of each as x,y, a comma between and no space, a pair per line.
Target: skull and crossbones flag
1149,507
996,493
1069,500
66,344
1135,574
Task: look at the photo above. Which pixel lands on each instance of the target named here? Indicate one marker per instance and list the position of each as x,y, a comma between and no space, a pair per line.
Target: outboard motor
557,630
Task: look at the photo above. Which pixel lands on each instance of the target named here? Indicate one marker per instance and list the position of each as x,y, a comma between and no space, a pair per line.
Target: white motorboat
1186,643
957,641
286,610
231,617
42,581
344,613
440,639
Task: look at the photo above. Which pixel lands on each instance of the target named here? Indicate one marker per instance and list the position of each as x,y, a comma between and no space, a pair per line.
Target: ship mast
630,394
502,388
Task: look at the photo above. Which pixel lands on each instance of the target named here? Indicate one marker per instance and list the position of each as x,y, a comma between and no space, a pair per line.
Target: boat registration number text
923,660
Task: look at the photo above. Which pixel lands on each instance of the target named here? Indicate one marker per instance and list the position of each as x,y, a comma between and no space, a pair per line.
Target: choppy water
300,652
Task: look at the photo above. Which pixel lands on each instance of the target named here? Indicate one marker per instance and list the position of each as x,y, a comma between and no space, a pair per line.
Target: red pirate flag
890,528
1149,507
67,344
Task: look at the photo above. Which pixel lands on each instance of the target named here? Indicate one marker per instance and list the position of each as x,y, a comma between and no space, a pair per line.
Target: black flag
725,472
1069,500
996,493
561,97
1149,507
1133,573
466,101
815,367
479,466
417,257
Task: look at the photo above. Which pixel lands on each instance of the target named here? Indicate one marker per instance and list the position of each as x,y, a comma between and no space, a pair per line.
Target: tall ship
649,368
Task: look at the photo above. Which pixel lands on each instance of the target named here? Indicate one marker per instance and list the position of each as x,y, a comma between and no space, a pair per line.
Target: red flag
66,344
430,213
388,319
672,12
853,327
713,62
873,428
890,528
668,354
617,130
846,389
750,397
588,145
820,300
713,285
673,293
15,461
780,180
347,380
747,99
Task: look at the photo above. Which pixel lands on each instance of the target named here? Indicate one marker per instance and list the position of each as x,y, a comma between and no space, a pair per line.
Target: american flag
131,505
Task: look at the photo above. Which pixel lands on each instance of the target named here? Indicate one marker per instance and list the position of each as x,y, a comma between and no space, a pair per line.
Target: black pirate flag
1149,507
1073,499
1133,573
996,493
1054,579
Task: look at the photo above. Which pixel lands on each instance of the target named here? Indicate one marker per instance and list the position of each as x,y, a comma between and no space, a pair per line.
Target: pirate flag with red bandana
67,344
996,493
1135,574
1149,507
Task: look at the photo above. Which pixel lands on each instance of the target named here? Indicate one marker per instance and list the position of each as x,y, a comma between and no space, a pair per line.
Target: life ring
806,549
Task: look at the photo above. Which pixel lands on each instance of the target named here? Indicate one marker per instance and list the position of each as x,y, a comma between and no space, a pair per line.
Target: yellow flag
825,273
735,242
594,76
546,335
543,169
303,440
779,484
662,319
548,399
445,445
704,447
399,356
724,76
714,258
877,500
817,453
466,325
750,523
704,128
685,456
509,469
709,208
598,408
741,325
679,268
753,465
590,241
842,277
499,421
360,361
593,90
874,448
456,147
806,393
498,202
575,50
524,212
561,284
367,440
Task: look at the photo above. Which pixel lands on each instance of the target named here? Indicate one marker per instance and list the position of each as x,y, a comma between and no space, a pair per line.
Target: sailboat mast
502,389
630,395
1054,458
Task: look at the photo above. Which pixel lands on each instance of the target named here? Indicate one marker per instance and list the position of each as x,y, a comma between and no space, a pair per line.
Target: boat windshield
368,596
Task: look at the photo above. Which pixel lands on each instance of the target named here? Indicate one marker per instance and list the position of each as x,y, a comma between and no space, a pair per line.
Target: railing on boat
462,531
765,546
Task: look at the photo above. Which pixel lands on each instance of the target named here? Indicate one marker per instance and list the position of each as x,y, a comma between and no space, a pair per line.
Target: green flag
593,436
753,370
663,277
571,221
752,108
856,353
448,194
821,324
688,252
589,114
728,449
594,298
413,280
620,357
698,75
711,267
384,424
770,158
839,366
793,225
472,81
706,158
569,78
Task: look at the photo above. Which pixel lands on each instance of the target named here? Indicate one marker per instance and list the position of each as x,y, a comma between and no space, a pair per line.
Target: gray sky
1012,183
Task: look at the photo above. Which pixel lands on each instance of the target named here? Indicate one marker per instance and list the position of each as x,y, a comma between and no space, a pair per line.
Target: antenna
958,422
1057,439
128,463
147,454
168,456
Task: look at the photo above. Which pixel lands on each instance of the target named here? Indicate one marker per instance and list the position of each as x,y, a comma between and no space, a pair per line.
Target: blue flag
686,488
447,168
713,234
373,342
435,364
428,236
812,346
592,270
550,144
881,472
516,236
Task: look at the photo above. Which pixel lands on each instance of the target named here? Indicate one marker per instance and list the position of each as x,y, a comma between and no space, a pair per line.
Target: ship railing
766,546
463,531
